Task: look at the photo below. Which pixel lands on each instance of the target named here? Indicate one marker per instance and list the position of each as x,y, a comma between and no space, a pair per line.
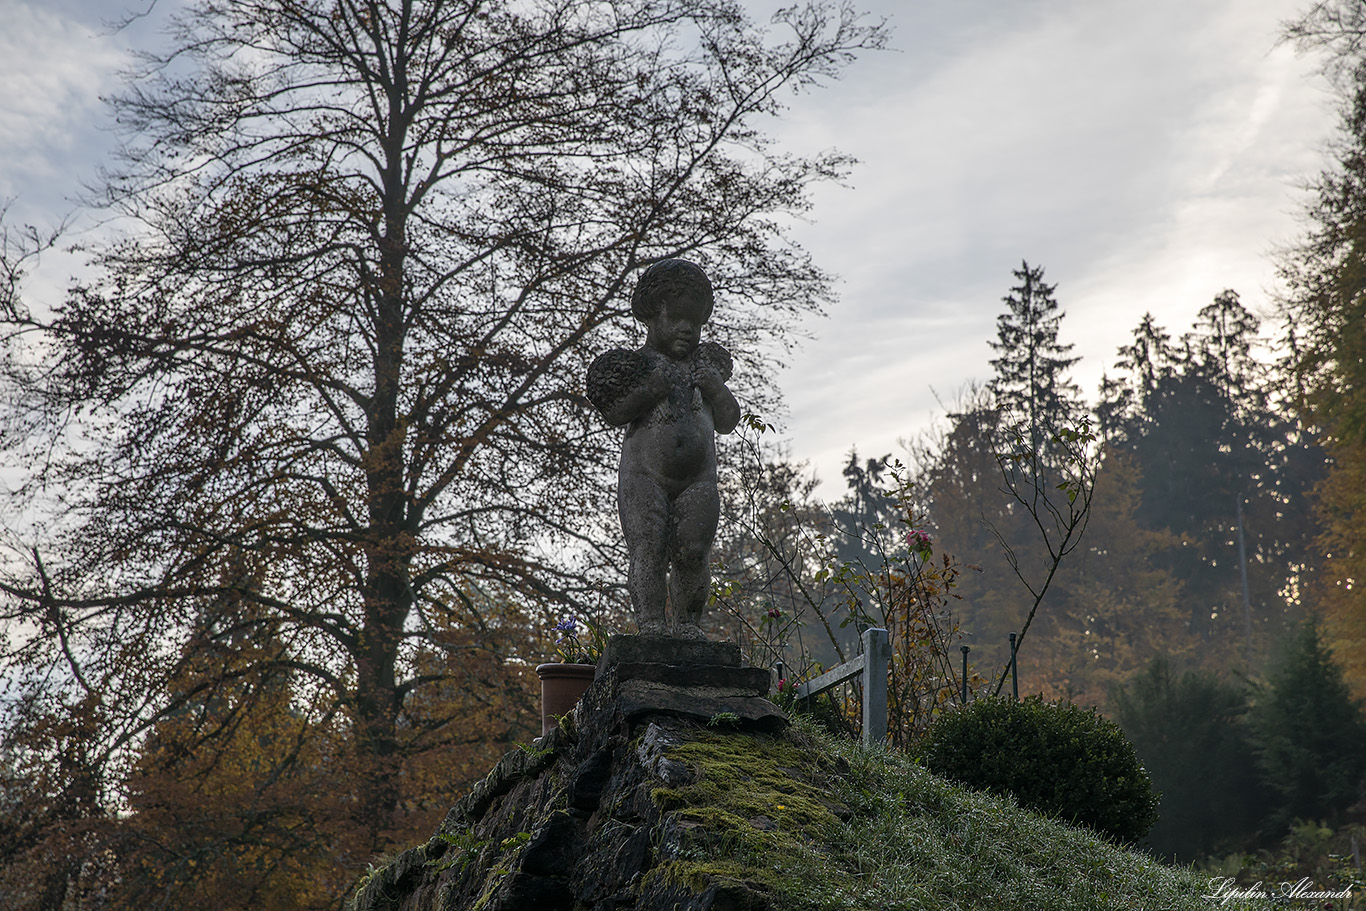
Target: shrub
1060,760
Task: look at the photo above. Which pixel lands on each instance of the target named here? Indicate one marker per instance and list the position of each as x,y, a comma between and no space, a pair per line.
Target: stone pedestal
666,650
688,678
600,812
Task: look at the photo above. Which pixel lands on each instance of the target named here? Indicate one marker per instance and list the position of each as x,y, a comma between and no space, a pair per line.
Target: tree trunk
389,546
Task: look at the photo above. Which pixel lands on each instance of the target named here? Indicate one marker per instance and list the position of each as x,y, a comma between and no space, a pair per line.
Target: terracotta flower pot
561,687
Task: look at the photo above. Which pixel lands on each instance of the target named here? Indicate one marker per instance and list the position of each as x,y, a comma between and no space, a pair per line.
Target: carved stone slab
668,651
638,699
737,681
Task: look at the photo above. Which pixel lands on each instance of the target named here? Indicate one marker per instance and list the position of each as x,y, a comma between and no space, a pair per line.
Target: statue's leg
644,510
696,511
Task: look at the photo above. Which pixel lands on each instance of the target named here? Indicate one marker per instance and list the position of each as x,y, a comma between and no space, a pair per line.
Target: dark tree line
1227,467
1238,765
1219,513
1196,474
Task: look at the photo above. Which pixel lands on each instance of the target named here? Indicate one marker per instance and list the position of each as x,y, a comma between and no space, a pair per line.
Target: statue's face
677,328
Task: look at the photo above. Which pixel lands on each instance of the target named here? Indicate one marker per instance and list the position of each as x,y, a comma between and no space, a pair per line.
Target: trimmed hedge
1057,759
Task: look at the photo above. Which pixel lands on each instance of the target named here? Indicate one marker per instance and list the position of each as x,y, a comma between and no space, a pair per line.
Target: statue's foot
689,631
654,628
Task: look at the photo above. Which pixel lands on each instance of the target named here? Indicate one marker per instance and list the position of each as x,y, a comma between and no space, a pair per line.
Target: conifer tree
1146,363
1221,466
1190,732
1310,733
1031,386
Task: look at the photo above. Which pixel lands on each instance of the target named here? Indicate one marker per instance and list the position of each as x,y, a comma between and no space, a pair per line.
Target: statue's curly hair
669,274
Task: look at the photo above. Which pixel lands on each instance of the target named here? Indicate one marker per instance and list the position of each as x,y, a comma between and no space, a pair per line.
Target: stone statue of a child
672,393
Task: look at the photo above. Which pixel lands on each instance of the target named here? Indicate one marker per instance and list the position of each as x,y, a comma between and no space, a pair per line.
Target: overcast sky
1147,154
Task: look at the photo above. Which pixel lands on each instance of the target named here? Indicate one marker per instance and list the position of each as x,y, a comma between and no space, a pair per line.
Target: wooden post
1014,671
872,665
877,651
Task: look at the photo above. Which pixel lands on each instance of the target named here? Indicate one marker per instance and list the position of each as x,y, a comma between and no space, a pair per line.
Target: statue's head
666,279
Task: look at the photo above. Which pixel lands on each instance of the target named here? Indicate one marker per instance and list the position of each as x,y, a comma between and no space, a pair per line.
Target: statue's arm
622,387
714,367
725,410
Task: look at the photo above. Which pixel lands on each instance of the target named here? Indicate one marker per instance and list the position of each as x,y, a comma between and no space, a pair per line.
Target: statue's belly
673,444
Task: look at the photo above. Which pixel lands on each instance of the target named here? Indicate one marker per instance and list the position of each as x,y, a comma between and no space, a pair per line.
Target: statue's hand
712,366
709,380
656,383
710,355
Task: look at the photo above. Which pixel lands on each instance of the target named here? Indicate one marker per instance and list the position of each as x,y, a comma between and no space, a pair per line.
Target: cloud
54,63
1143,153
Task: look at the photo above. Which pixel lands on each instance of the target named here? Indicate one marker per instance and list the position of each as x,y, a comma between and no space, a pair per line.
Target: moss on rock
756,817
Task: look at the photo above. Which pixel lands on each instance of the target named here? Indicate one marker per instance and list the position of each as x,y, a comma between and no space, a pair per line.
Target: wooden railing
872,664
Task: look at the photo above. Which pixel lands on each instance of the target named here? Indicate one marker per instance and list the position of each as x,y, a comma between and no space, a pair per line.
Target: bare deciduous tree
326,388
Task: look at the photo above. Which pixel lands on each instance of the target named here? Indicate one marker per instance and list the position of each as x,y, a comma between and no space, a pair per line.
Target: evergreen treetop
1030,385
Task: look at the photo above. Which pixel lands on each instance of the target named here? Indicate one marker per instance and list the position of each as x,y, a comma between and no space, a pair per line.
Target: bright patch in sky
1147,156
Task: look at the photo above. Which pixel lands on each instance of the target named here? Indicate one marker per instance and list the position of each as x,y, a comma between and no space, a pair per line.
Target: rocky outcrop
611,810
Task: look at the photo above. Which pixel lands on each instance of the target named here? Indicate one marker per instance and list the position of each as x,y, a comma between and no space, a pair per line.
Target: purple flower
567,625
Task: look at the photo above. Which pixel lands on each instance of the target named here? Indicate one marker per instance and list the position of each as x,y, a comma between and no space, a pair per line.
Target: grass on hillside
761,815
